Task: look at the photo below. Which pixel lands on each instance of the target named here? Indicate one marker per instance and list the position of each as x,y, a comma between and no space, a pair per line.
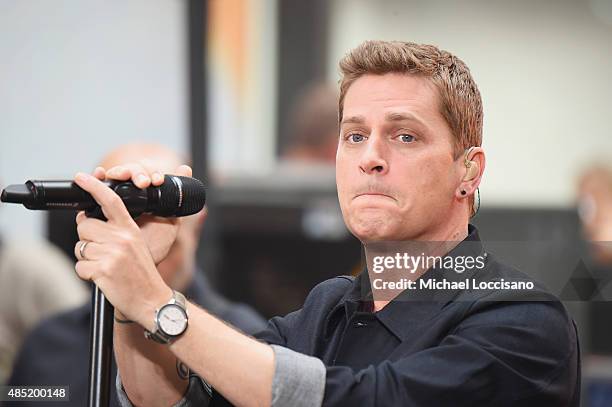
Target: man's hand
120,258
159,233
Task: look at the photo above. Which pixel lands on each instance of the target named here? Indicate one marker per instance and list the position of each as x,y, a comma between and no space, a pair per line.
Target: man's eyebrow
353,120
400,117
390,117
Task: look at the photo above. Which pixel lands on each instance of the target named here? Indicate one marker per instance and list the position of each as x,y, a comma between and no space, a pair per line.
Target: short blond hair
460,101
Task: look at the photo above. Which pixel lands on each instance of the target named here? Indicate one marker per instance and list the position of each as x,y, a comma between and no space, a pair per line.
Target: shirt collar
411,306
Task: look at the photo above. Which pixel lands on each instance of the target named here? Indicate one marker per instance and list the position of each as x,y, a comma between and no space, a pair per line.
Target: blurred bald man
57,351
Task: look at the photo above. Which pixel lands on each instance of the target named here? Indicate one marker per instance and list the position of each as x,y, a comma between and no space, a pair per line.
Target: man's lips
373,194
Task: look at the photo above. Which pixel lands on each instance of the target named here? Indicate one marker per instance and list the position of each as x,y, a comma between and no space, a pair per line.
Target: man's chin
370,229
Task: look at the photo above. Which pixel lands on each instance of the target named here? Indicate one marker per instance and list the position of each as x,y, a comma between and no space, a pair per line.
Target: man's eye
355,138
406,138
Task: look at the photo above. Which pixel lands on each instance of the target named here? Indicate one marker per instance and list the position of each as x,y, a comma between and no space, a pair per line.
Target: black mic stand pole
101,339
100,349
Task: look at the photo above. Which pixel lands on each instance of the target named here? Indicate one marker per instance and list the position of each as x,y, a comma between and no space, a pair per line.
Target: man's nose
374,159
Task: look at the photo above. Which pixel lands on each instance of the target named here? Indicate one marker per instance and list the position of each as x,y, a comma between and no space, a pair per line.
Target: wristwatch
170,320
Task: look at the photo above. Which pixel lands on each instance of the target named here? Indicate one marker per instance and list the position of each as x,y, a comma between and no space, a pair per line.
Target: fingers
184,170
85,269
112,206
156,174
143,173
80,217
100,173
85,250
93,230
134,171
118,172
140,175
157,179
77,250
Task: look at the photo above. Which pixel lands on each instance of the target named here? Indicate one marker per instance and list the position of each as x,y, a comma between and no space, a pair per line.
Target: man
407,166
595,210
594,196
312,130
57,351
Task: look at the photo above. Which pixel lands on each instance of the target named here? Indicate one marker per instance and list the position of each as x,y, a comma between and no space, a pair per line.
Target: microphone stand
100,349
100,340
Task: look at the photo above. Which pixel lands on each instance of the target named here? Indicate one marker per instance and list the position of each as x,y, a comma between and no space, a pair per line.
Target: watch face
172,319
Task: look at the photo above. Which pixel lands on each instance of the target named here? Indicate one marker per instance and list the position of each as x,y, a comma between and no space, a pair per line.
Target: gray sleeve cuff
299,380
198,393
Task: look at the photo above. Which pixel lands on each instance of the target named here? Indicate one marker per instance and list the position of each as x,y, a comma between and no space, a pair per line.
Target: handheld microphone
177,196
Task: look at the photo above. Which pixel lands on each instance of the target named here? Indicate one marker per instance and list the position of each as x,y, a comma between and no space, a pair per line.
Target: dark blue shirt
438,348
57,350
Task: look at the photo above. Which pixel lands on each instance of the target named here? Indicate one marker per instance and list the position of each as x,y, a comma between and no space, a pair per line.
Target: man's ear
474,163
473,170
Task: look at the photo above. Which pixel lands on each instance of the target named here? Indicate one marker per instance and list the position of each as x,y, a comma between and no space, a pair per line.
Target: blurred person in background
313,126
36,280
594,201
312,140
57,351
595,210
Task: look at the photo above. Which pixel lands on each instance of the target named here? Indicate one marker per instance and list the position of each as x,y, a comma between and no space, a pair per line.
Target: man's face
395,169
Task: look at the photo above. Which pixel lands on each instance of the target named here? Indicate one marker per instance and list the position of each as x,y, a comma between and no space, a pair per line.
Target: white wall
80,77
544,69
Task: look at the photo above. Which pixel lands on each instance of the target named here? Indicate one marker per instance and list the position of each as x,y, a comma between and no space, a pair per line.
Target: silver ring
82,250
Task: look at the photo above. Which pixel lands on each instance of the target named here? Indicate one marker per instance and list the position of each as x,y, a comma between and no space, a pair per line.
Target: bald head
149,155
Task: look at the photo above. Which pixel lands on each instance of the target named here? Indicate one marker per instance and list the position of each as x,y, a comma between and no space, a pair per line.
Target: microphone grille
181,196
